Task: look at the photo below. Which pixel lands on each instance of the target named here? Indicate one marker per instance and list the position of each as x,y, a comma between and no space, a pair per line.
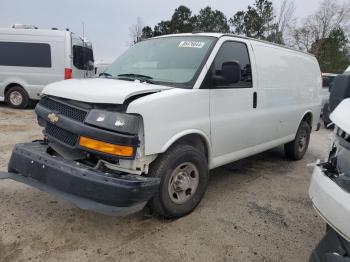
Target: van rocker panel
79,184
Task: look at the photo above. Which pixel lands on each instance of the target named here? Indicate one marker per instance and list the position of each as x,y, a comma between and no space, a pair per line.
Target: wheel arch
308,117
193,137
13,84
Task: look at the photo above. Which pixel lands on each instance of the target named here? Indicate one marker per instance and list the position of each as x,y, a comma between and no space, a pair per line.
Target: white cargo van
163,114
31,58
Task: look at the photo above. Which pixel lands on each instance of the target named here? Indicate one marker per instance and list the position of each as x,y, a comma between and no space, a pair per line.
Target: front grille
61,134
63,109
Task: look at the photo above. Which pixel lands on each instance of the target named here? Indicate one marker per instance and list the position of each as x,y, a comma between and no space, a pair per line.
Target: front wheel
184,174
296,149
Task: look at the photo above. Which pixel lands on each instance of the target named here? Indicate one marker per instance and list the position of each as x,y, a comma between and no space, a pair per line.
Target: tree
256,22
260,21
209,20
237,21
282,26
162,28
332,52
147,32
136,31
329,16
182,20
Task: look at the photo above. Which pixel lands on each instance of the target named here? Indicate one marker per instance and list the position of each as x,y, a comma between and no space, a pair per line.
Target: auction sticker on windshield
191,44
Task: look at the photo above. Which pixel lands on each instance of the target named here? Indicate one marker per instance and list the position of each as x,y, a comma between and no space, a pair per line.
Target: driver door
233,106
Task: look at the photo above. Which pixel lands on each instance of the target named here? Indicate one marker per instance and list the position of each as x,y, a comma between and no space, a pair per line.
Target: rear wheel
296,149
17,97
184,174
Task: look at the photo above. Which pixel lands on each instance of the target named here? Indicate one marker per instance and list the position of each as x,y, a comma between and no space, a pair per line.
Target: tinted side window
82,57
235,51
25,54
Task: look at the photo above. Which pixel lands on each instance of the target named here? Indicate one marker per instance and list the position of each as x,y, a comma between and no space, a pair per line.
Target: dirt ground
254,210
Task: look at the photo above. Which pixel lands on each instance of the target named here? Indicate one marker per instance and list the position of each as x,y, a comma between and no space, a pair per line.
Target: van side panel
33,79
289,85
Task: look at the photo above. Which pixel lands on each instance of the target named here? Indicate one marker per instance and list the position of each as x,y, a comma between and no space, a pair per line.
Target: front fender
184,133
168,115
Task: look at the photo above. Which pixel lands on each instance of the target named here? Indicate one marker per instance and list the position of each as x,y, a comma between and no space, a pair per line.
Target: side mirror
230,73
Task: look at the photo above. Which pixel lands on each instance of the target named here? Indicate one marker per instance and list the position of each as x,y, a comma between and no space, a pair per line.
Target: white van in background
31,58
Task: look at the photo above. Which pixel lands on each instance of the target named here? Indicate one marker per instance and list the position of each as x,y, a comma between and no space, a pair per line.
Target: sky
107,22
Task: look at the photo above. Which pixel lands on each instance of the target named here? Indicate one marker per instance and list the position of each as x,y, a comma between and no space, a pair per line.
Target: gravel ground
257,209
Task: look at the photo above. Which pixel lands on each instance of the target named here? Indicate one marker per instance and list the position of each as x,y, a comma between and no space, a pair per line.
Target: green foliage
331,52
256,22
162,28
209,20
147,32
182,21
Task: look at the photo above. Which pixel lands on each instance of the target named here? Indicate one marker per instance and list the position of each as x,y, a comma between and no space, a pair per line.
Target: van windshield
167,60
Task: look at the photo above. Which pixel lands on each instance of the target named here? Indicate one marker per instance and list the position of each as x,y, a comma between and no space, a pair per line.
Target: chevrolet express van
168,110
31,58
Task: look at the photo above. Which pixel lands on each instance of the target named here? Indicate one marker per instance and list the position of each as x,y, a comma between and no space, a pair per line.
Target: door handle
255,99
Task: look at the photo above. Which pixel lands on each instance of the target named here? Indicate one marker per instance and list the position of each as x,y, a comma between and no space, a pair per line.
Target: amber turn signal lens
106,147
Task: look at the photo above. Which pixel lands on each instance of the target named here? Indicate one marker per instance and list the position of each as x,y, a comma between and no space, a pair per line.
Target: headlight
114,121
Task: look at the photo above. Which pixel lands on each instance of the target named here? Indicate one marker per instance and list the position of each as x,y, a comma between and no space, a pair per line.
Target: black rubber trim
31,160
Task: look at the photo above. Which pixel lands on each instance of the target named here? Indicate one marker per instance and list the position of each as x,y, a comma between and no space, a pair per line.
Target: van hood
340,115
100,90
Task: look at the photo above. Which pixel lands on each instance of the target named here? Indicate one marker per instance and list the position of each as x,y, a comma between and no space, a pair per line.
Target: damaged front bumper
87,188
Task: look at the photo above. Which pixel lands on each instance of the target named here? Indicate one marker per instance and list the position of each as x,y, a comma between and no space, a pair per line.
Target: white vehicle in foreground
164,113
31,58
330,191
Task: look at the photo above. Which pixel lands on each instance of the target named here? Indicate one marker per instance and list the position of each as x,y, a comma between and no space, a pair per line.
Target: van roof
37,32
218,35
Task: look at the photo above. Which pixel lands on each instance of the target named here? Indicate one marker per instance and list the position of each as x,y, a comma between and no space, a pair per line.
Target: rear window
83,57
25,54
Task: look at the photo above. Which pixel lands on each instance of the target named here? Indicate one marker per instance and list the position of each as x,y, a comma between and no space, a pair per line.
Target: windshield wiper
105,75
140,77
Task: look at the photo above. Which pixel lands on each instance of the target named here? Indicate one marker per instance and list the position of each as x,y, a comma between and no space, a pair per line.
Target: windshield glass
168,60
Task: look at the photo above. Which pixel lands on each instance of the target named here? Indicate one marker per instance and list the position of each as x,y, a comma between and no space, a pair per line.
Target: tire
184,175
17,97
325,115
296,149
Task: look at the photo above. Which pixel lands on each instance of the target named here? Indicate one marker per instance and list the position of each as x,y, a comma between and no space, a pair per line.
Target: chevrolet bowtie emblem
53,118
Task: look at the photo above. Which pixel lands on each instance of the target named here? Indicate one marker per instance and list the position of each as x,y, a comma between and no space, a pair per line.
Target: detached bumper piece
331,248
79,184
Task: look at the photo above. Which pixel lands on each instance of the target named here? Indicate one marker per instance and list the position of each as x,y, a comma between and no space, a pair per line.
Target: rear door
83,60
233,107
